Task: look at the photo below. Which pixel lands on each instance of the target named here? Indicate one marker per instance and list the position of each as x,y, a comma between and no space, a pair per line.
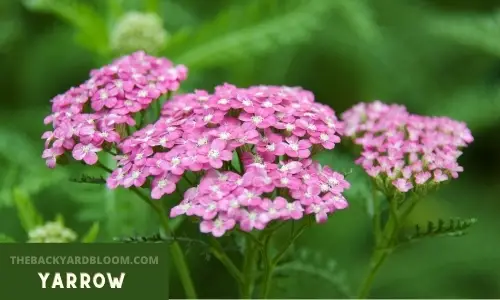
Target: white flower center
218,223
142,93
267,104
136,174
104,95
252,216
162,183
213,153
225,135
176,160
271,147
208,118
311,127
294,146
284,181
223,101
289,127
202,141
324,137
257,119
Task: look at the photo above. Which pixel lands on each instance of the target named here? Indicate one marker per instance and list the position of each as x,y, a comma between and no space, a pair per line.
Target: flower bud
138,31
51,232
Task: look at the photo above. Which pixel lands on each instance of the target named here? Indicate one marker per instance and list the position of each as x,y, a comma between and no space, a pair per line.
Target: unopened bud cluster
138,31
51,232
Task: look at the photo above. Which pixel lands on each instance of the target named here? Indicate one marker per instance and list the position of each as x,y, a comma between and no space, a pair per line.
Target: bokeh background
438,57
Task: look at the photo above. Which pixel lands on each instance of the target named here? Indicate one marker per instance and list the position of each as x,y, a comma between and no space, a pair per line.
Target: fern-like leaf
454,227
89,179
239,32
314,264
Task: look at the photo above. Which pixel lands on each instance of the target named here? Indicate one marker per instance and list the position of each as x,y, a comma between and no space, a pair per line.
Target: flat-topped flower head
407,151
89,117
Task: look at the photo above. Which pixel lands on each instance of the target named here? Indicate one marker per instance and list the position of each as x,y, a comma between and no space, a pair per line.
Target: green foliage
452,228
343,162
23,167
91,27
5,239
244,31
91,234
475,30
313,264
28,214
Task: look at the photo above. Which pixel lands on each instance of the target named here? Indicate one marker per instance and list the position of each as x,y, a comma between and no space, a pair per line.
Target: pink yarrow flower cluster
272,130
88,118
407,150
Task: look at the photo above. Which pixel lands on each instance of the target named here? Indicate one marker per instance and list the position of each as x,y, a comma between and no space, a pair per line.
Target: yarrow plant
407,156
246,153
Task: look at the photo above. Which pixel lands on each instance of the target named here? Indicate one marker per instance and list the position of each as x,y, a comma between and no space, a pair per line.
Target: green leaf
60,219
4,239
312,263
91,27
484,99
23,168
344,163
28,214
240,32
91,234
452,228
479,31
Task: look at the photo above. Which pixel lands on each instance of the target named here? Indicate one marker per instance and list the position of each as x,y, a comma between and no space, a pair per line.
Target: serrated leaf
28,214
91,234
4,239
452,228
313,263
241,32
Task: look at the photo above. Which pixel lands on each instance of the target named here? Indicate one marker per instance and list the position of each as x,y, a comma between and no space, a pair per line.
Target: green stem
175,249
221,255
385,244
376,215
249,263
240,160
272,265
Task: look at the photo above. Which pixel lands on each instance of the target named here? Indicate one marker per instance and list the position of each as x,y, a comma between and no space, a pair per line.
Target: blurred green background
438,57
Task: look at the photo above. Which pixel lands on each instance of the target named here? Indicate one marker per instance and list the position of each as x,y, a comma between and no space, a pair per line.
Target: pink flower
87,153
216,154
293,210
136,177
297,148
164,185
51,155
250,219
218,226
402,185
